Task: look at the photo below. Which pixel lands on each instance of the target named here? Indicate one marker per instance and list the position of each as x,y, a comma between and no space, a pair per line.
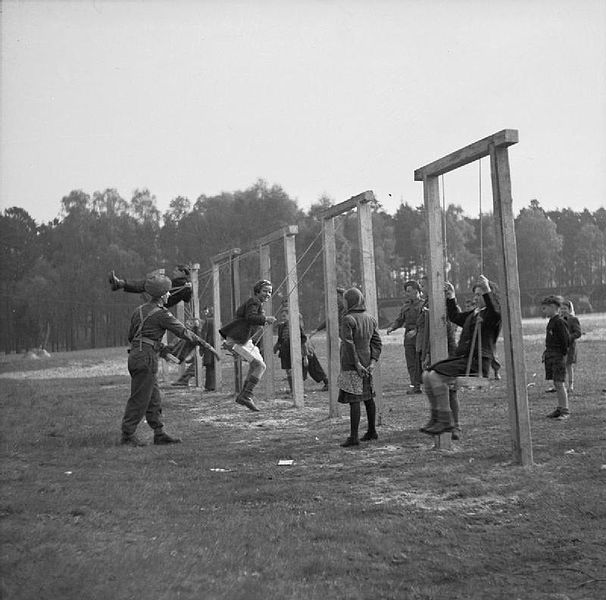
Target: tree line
55,292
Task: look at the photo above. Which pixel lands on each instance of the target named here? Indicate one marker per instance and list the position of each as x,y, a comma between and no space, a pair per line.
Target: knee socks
453,400
354,419
371,411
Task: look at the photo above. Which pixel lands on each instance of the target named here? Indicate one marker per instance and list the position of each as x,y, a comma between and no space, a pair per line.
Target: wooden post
287,236
367,267
216,261
511,310
268,341
435,265
195,314
443,441
234,273
179,309
331,313
290,260
369,285
217,340
495,146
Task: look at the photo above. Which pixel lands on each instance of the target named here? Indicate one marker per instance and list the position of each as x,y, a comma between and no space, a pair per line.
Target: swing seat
471,383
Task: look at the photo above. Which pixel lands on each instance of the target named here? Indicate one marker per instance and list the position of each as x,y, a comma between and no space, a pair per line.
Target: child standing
554,357
282,345
359,352
574,332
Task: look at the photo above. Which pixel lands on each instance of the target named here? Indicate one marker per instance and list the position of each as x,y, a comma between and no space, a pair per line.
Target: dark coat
359,327
250,316
490,329
557,338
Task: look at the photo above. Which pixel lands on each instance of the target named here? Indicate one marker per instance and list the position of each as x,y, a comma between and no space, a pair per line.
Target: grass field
216,517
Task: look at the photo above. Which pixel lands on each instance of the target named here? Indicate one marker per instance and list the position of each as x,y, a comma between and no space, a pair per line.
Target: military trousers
145,399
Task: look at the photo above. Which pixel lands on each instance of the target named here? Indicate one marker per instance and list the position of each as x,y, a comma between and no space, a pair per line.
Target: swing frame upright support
184,312
362,204
494,146
232,257
194,306
287,234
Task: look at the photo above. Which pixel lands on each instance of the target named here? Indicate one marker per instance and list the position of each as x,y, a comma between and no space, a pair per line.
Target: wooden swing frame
362,204
494,146
287,235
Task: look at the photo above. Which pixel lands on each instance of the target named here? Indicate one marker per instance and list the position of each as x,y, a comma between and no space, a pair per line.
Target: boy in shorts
557,341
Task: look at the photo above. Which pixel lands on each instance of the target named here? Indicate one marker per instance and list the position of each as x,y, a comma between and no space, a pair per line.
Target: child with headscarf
359,352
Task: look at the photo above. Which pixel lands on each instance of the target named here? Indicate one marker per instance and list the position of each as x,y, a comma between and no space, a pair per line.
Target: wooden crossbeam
361,202
227,255
276,235
353,202
494,146
468,154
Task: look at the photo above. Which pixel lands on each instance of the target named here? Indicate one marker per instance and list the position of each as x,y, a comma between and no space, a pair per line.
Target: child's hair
552,299
185,269
261,284
413,284
568,304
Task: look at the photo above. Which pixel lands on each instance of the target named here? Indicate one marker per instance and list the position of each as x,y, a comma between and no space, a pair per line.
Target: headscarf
354,300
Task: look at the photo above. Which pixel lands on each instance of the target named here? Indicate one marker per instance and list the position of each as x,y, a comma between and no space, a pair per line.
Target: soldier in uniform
148,324
408,317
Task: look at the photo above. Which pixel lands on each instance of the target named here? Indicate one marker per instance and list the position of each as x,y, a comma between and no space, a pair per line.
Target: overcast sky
320,97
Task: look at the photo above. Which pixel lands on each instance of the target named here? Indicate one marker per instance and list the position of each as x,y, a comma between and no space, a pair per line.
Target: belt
136,342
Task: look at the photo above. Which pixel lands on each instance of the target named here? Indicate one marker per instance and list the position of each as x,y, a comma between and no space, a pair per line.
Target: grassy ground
217,518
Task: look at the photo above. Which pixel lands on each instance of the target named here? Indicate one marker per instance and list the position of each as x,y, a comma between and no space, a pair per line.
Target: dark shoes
350,441
131,440
248,402
370,435
161,439
456,433
325,388
561,414
429,423
437,428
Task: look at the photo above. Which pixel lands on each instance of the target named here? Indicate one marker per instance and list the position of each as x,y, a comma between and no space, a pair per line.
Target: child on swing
249,320
443,373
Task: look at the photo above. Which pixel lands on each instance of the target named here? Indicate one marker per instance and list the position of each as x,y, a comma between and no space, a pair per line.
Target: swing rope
480,211
444,230
259,337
